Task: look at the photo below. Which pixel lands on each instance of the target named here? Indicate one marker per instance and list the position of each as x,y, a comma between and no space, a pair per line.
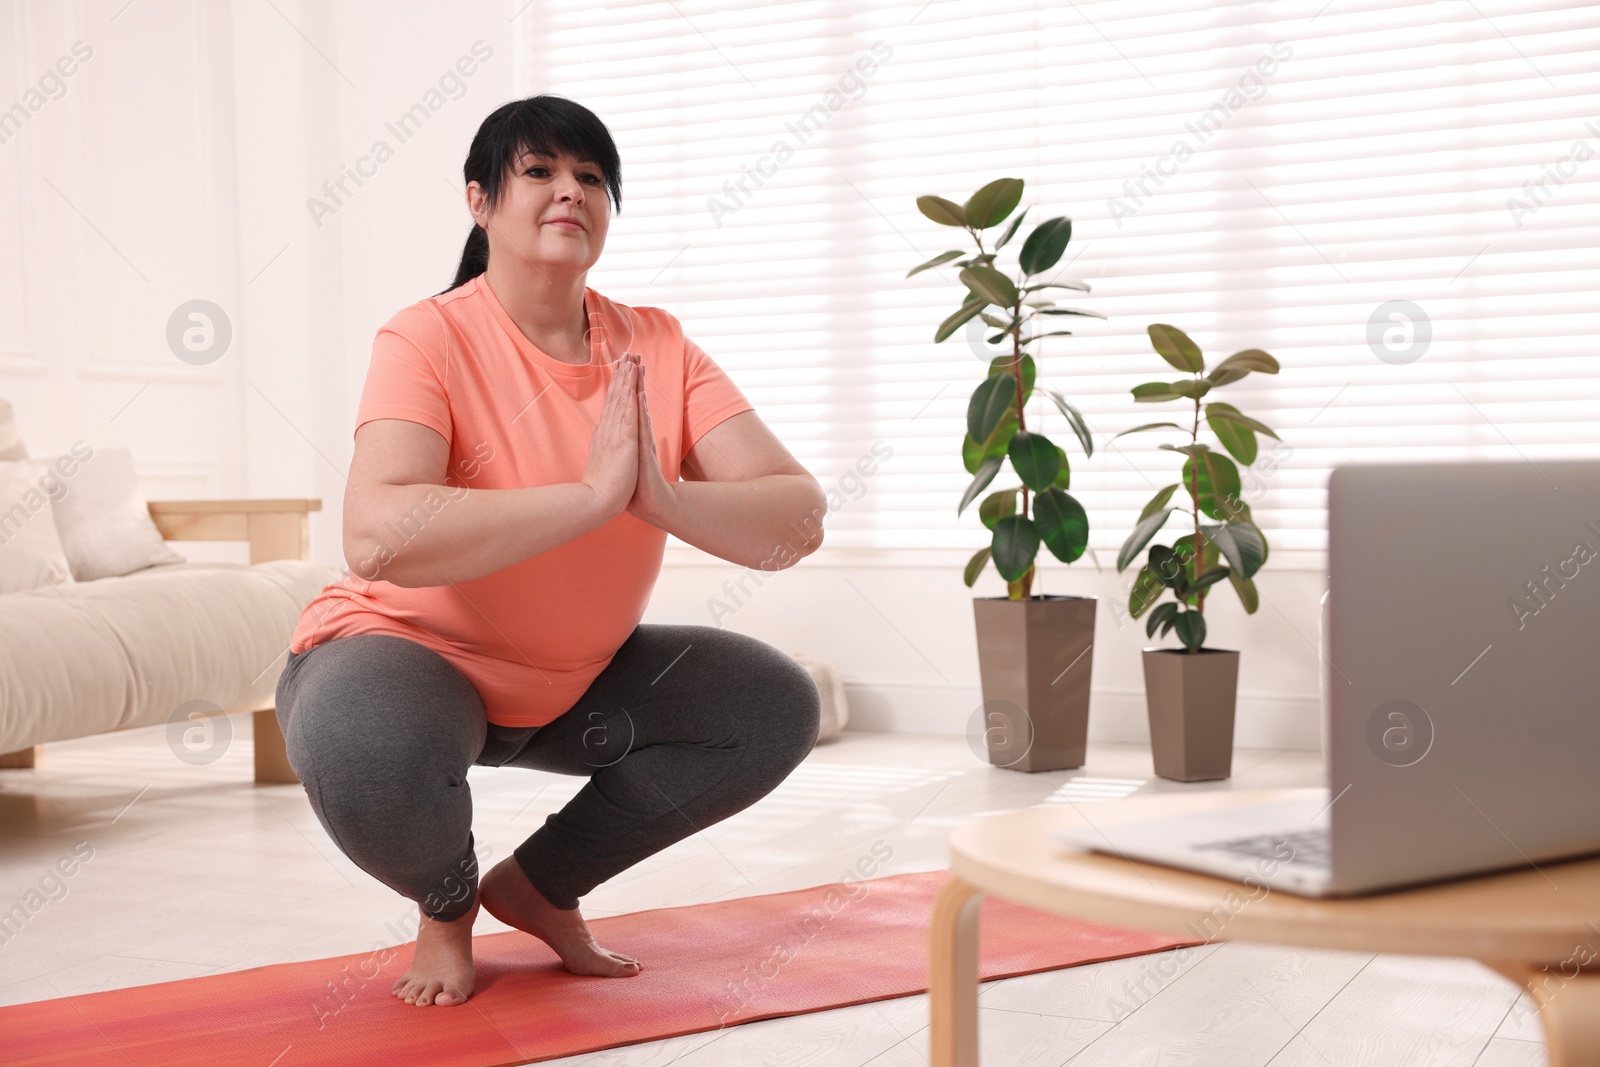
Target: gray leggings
686,726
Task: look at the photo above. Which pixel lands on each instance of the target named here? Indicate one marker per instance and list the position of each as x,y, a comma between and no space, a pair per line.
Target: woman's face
537,191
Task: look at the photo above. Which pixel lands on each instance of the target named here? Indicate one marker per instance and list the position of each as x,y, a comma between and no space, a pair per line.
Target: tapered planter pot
1033,662
1190,696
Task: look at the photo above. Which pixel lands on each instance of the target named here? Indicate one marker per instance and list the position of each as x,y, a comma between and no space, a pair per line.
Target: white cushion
122,652
103,518
835,712
30,550
11,446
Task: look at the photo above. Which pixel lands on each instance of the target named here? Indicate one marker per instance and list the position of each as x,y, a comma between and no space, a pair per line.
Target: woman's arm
745,498
402,524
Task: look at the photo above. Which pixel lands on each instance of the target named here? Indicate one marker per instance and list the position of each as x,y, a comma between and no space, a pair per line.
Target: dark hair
548,124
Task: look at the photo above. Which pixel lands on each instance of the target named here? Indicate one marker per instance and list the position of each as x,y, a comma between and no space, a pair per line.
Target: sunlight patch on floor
1085,789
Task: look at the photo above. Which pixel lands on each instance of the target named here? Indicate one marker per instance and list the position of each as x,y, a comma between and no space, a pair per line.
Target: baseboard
1263,720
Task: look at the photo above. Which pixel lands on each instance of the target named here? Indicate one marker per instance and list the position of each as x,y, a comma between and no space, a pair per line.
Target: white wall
116,182
177,164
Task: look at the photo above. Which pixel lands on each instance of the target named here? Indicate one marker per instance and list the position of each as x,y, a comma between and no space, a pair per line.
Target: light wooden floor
195,871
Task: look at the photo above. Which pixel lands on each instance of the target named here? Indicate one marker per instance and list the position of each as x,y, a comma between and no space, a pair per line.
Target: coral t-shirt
530,637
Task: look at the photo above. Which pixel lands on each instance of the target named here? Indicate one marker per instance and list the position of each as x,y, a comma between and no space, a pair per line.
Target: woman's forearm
767,523
424,535
420,535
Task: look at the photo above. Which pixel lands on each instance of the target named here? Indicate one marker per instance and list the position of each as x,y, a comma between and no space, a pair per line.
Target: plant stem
1024,584
1194,500
1016,363
1016,369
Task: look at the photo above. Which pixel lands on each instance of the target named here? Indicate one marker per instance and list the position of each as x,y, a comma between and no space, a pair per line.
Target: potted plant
1190,692
1032,650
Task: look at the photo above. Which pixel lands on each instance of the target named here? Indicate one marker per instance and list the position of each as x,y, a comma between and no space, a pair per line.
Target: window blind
1398,200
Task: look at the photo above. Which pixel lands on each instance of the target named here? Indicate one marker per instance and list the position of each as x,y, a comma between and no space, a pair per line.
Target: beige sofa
126,652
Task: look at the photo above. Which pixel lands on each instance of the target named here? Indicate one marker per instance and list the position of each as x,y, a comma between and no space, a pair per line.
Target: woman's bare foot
512,899
441,966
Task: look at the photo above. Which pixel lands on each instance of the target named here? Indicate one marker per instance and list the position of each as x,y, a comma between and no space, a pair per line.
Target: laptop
1462,674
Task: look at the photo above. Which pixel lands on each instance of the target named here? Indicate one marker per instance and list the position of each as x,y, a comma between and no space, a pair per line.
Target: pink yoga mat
705,966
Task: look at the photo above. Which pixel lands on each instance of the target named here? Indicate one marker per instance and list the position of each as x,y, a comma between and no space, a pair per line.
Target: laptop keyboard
1310,847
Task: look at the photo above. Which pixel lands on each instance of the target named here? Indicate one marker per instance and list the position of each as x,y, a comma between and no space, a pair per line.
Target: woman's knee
782,708
371,704
382,732
797,694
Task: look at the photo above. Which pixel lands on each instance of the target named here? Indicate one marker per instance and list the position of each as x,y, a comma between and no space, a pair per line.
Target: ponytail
474,258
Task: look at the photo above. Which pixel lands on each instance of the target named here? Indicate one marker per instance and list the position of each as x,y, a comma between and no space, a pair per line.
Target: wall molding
22,361
153,472
104,367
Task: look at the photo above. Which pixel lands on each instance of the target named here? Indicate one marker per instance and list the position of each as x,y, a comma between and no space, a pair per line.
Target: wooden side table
1517,923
